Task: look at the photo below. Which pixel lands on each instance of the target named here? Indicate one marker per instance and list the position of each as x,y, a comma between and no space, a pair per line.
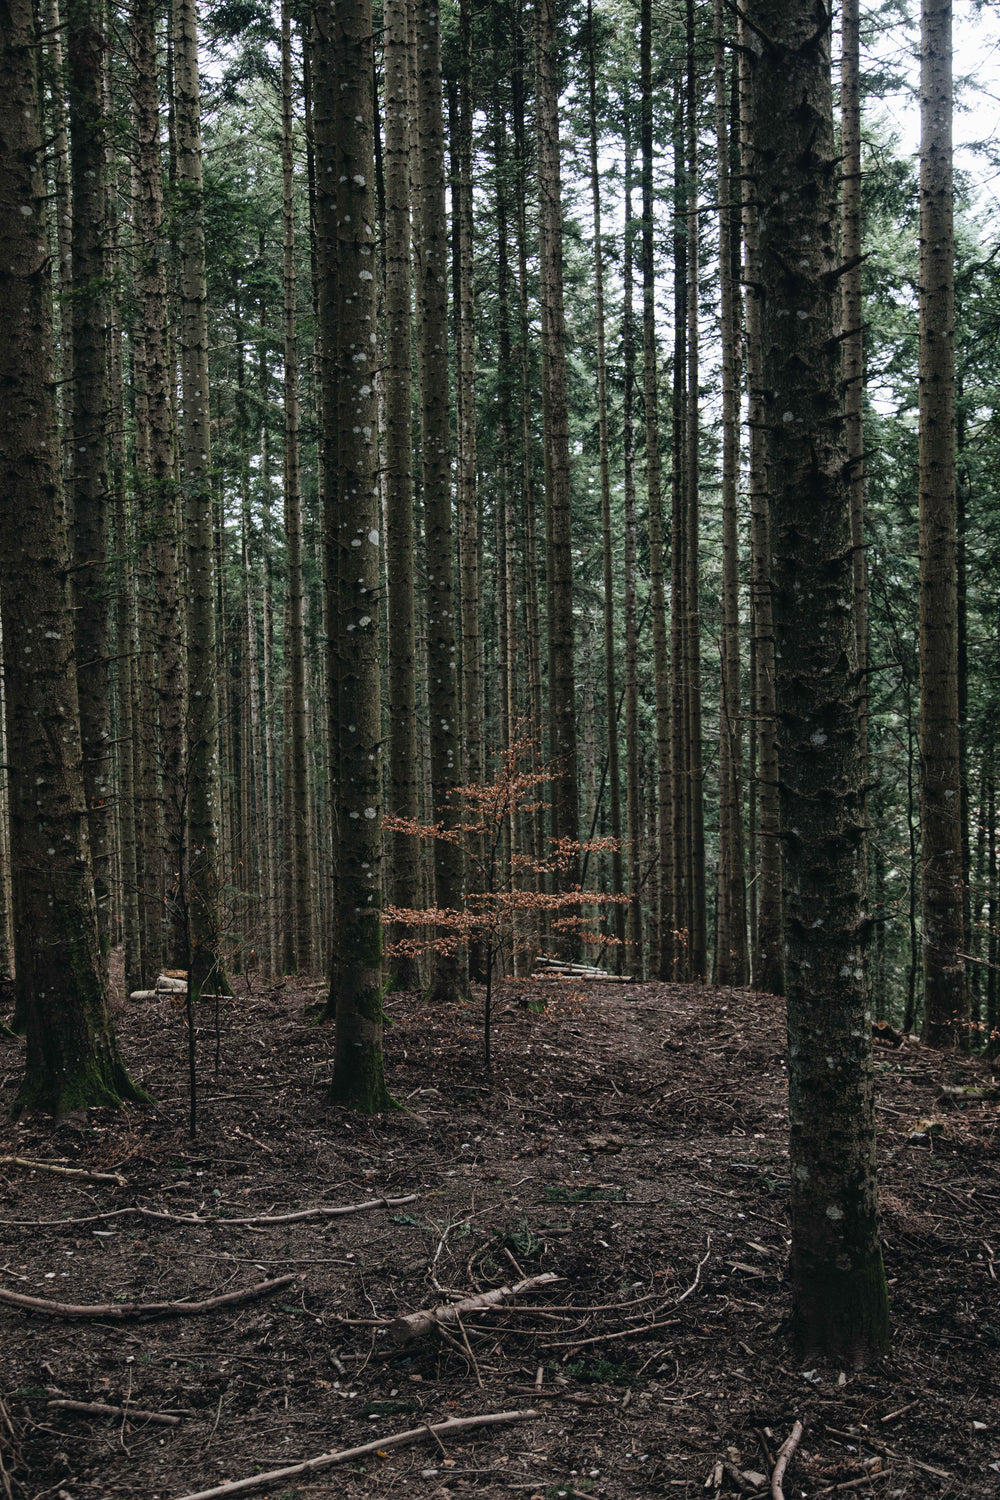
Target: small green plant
522,1240
600,1372
588,1192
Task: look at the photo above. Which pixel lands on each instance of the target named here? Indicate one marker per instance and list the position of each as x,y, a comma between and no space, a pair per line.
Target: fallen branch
414,1325
51,1166
452,1428
102,1409
643,1329
785,1453
121,1312
608,1338
155,1213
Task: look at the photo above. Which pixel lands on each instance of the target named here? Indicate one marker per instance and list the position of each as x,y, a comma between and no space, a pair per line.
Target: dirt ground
632,1143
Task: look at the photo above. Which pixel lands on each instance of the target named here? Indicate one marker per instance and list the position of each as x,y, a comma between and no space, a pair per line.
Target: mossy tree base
93,1084
841,1315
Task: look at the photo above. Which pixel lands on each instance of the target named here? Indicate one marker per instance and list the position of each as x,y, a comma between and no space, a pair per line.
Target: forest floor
631,1142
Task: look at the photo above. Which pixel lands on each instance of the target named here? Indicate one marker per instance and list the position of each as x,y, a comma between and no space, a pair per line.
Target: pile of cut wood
558,970
171,985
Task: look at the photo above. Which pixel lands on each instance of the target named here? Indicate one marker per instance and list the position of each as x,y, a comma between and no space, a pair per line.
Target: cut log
410,1326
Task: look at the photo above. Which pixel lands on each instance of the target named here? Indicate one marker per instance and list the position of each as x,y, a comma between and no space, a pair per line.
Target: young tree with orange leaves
483,815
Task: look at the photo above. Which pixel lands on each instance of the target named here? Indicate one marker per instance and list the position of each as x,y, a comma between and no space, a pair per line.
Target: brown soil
633,1143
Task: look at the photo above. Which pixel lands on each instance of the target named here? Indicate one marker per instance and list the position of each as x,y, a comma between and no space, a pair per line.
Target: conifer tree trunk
298,933
769,970
89,487
124,641
839,1304
465,373
63,209
532,621
559,556
161,611
432,354
201,775
731,919
634,804
946,1004
345,142
992,911
696,775
852,330
663,963
680,770
72,1057
607,540
398,462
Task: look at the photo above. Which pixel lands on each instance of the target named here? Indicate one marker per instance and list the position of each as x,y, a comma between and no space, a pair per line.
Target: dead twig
102,1409
51,1166
785,1454
121,1312
697,1274
414,1325
438,1430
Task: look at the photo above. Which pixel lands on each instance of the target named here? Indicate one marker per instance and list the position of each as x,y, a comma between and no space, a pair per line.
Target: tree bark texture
662,963
432,356
607,539
768,968
72,1056
633,789
298,929
839,1300
398,462
201,776
345,45
86,46
731,915
946,1006
559,554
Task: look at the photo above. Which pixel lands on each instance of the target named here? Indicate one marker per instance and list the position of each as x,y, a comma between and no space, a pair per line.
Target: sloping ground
631,1142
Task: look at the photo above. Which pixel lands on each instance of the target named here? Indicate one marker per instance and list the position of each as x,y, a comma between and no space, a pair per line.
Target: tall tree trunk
432,352
88,498
72,1057
946,1002
398,462
663,964
465,373
769,972
607,539
345,143
992,912
839,1302
201,883
633,787
559,554
161,610
731,914
63,210
680,800
124,636
696,775
852,332
298,841
532,618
